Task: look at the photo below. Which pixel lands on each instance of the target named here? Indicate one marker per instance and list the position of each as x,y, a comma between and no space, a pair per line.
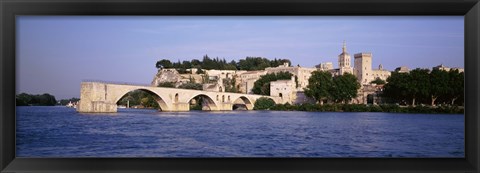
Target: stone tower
344,60
363,67
344,57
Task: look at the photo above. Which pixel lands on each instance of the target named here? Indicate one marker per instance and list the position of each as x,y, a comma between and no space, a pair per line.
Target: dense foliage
263,103
259,63
25,99
139,98
249,63
367,108
262,85
322,86
378,81
319,85
167,84
421,86
66,101
191,85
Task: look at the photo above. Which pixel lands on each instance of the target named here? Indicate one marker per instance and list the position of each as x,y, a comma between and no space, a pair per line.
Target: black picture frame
9,9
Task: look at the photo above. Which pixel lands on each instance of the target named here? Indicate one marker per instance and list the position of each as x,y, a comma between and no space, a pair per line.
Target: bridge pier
226,107
181,107
93,99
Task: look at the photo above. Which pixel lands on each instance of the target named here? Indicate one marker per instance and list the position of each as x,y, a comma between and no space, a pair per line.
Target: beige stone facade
103,97
445,68
325,66
363,69
344,60
284,89
302,73
381,73
247,79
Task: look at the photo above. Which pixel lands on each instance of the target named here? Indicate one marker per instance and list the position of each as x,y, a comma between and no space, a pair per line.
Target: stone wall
166,75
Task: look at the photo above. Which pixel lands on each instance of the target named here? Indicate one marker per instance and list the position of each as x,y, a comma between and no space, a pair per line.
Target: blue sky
55,53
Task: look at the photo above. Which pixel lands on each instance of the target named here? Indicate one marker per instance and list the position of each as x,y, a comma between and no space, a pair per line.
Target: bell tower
344,57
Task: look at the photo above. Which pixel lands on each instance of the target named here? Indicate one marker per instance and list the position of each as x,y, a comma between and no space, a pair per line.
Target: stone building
221,74
402,69
442,67
325,66
302,73
246,80
381,73
284,89
369,94
215,87
344,60
195,78
363,69
344,65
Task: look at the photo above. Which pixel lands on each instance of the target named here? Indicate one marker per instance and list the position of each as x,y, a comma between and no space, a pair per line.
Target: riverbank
368,108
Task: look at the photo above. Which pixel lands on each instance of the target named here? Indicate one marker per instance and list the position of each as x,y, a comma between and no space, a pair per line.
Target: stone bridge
103,97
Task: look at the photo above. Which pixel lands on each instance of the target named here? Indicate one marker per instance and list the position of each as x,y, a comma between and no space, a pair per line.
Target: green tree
139,97
23,99
419,84
263,103
344,88
230,85
167,84
456,86
378,81
439,84
249,63
262,85
66,101
200,71
319,85
253,63
164,63
396,87
46,99
191,85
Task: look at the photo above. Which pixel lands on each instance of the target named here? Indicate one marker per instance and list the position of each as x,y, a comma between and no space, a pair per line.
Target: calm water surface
62,132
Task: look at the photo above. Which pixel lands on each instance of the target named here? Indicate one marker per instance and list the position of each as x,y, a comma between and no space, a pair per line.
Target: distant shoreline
386,108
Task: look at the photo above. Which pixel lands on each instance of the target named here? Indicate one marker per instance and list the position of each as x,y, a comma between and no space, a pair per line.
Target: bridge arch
160,101
243,100
211,103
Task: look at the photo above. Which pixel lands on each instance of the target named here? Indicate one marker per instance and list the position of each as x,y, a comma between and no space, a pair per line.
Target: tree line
25,99
249,63
422,86
66,101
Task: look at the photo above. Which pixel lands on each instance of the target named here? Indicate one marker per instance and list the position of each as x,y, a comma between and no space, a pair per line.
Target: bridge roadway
96,97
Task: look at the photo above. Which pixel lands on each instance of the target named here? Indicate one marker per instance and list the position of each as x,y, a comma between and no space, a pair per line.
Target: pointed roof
344,49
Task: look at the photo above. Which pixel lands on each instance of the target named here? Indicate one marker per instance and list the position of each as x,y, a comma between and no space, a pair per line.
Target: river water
62,132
